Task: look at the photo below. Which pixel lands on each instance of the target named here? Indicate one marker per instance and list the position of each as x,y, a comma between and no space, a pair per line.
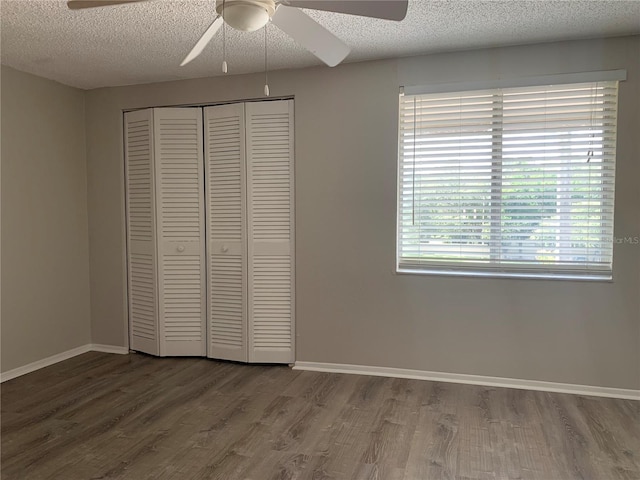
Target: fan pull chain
224,41
266,72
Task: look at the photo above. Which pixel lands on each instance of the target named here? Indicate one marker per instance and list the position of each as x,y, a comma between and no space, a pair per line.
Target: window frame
485,269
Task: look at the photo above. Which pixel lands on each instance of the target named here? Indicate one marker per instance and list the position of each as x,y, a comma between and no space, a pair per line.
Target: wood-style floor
101,416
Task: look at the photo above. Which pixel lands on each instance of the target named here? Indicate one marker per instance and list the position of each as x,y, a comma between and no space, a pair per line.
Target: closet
210,231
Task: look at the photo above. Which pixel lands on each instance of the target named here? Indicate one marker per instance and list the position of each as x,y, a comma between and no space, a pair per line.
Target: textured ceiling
145,42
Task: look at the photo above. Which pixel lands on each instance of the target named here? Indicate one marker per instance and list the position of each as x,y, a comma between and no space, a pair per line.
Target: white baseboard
471,379
367,370
96,347
59,357
45,362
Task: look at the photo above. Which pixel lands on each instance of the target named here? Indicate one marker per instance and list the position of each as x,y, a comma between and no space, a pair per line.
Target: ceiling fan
250,15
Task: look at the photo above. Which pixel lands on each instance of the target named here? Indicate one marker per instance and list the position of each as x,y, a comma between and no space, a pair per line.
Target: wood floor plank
102,416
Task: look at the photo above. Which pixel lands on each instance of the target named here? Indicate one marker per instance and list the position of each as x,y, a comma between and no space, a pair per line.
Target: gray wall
351,306
45,240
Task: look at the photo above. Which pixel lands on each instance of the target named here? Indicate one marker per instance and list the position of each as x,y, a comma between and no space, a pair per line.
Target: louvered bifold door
270,216
180,227
226,231
141,239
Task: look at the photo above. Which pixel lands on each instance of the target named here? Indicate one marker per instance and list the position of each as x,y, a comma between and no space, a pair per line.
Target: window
509,181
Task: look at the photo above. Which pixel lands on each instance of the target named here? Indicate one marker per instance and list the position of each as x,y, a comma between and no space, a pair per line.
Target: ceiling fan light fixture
246,15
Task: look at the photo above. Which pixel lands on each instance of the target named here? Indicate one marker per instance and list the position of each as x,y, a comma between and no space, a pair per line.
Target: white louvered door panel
180,227
141,239
226,227
270,217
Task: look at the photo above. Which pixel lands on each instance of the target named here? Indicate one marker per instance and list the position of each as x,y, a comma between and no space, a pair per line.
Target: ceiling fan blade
311,35
204,40
386,9
78,4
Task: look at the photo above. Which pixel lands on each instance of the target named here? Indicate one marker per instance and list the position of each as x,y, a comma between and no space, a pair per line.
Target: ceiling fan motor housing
246,15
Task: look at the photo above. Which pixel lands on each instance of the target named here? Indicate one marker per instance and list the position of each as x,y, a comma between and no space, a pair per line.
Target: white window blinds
512,180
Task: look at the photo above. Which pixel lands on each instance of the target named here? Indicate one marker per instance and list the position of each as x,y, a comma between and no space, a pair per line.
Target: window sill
505,275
